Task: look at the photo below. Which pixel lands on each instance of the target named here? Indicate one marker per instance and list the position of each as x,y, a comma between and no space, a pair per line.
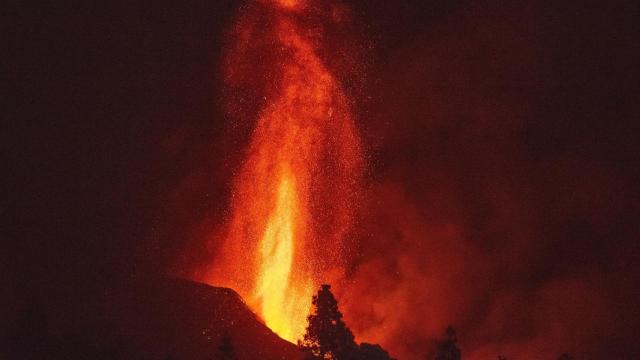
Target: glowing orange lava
291,203
281,300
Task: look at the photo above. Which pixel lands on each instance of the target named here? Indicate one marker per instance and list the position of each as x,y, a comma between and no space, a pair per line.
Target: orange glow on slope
291,200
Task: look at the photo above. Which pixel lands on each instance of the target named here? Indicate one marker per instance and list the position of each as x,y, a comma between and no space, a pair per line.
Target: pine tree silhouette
447,349
327,336
226,350
372,352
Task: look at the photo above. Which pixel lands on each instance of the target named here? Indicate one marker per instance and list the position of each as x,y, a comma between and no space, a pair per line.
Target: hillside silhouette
188,320
157,318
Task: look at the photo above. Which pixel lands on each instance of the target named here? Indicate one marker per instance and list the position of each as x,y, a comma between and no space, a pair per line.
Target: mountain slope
151,319
186,320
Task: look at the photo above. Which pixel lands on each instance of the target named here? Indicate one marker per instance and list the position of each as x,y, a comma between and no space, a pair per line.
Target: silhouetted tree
327,336
372,352
226,350
447,349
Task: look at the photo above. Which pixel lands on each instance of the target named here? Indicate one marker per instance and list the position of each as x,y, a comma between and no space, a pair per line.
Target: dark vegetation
447,348
328,338
226,351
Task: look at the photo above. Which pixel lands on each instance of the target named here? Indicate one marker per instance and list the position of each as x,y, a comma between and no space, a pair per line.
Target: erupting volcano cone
292,199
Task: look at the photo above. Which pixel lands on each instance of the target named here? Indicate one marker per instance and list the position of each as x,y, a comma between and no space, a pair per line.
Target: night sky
500,193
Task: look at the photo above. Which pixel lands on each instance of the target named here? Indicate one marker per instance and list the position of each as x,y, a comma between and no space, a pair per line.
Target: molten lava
280,299
292,199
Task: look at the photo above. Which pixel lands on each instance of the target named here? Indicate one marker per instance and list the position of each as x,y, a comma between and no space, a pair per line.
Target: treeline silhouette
327,337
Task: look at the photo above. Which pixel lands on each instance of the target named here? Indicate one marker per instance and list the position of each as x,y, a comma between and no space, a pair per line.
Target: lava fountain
294,194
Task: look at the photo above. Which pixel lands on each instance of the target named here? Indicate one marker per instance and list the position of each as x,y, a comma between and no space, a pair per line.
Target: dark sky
513,127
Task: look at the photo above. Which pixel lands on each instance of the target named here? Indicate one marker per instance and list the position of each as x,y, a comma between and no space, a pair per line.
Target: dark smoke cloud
501,193
500,200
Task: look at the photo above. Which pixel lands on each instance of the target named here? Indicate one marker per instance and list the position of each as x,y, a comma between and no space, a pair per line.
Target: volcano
160,318
187,320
